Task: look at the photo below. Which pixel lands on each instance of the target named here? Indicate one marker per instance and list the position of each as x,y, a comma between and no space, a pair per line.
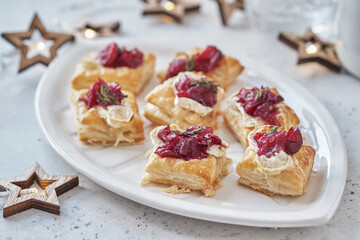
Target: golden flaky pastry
108,126
186,175
228,70
89,70
164,107
241,124
283,175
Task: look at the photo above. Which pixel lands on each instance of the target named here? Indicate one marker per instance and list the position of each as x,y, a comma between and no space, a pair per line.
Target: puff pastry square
93,127
184,176
161,109
89,70
241,124
290,180
224,74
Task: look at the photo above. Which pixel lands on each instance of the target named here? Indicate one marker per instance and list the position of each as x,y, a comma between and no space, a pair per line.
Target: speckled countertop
92,212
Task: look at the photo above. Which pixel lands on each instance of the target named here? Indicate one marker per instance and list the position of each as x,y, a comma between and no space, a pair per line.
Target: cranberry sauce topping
260,103
191,144
202,91
205,61
112,56
103,94
273,142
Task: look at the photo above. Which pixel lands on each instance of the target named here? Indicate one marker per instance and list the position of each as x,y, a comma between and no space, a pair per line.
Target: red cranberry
112,56
203,91
175,67
190,144
108,56
205,61
103,94
208,59
260,103
270,143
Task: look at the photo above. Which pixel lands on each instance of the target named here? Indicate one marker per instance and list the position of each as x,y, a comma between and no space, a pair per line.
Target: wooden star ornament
174,9
311,48
226,9
17,39
22,197
90,30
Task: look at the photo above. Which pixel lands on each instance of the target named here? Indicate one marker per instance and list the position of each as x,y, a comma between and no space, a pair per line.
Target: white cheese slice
188,103
281,161
192,105
217,150
246,119
115,115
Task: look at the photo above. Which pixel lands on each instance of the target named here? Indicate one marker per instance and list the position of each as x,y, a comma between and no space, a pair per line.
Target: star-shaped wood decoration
47,200
90,30
226,9
174,9
17,39
311,48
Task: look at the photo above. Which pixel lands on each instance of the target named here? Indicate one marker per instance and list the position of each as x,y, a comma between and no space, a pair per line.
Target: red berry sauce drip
103,94
205,61
191,144
270,143
260,103
112,56
204,92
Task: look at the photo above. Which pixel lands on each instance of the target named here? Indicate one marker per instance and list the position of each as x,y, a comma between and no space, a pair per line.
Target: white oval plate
120,169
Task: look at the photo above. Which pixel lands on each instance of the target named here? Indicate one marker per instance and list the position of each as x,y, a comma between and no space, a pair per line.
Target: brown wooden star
311,48
17,39
226,9
174,9
100,30
47,200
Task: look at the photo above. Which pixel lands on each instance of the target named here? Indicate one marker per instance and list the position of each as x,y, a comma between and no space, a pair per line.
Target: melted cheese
188,103
192,105
115,115
273,165
246,119
217,150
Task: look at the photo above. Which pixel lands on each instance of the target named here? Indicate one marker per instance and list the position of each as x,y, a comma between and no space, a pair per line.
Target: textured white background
90,211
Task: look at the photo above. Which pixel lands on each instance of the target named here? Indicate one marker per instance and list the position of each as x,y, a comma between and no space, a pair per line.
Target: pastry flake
106,115
187,99
257,107
194,166
209,61
276,163
130,69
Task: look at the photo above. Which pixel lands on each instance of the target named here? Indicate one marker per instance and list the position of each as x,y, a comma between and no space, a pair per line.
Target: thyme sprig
193,132
260,92
190,64
206,83
273,129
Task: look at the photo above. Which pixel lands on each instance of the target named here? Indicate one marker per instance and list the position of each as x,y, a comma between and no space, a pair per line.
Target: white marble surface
90,211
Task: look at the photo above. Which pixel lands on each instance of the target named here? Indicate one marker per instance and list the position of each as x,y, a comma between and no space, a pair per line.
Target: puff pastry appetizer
276,162
194,159
209,61
254,107
130,69
186,99
106,115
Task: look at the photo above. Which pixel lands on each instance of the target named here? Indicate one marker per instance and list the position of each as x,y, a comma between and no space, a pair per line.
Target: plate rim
312,219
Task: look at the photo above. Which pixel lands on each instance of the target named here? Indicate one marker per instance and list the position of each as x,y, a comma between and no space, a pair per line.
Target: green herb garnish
204,82
273,129
193,132
105,97
260,92
190,64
